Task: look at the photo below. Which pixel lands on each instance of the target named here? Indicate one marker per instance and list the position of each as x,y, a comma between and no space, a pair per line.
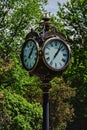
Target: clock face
30,54
56,54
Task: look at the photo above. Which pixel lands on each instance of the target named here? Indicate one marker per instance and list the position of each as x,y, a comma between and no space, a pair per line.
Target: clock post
45,54
45,87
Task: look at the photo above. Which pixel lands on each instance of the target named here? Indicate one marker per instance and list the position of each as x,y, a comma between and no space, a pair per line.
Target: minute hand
31,52
57,51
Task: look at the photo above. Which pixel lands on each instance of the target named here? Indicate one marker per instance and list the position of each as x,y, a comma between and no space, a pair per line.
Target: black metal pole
46,109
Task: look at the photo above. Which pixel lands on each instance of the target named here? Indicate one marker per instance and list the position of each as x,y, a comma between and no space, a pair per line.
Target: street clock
29,54
56,54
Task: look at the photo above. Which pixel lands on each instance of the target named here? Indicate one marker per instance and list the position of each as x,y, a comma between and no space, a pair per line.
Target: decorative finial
46,17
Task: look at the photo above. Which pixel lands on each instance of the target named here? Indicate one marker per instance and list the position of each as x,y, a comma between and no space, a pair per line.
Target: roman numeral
51,44
30,65
51,63
63,49
48,58
27,64
24,55
60,47
60,64
25,60
48,48
56,65
55,43
64,54
63,60
46,53
28,45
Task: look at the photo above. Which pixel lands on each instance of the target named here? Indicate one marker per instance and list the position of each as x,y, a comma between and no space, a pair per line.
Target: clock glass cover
56,54
30,54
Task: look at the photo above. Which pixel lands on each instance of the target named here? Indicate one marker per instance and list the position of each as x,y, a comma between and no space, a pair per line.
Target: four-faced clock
29,54
56,54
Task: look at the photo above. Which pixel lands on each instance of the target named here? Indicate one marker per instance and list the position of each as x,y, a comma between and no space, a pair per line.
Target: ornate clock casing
56,54
45,54
29,54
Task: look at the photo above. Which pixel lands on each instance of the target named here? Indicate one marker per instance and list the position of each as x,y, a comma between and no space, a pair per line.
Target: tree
73,16
61,110
16,113
17,18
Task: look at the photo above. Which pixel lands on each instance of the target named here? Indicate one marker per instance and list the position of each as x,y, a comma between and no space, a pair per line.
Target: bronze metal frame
37,59
68,48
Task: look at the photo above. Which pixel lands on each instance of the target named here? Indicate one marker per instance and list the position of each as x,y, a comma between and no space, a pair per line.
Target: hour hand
31,52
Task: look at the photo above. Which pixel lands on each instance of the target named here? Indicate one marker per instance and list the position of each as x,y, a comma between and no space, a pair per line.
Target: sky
52,5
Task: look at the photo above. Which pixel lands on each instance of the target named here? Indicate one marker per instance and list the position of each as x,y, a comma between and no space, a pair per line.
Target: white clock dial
56,54
30,54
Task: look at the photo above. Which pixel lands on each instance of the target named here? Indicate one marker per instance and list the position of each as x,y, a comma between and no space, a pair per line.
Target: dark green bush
16,113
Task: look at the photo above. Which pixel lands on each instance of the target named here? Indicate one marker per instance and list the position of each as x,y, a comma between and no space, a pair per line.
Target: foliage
61,110
16,80
74,20
17,113
71,19
17,18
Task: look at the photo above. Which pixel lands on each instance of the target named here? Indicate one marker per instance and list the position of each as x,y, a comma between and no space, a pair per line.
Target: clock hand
57,51
31,52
